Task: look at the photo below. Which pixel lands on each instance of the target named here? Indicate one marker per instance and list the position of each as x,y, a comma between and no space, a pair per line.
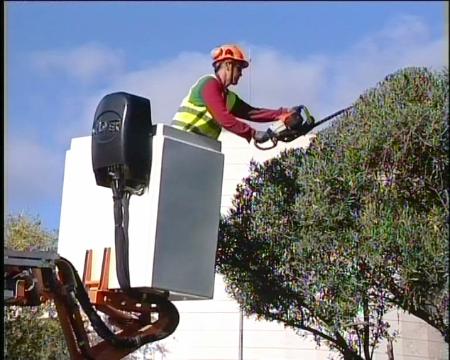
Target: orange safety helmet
233,52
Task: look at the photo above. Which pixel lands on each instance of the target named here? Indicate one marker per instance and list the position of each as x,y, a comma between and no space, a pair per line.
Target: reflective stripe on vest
197,118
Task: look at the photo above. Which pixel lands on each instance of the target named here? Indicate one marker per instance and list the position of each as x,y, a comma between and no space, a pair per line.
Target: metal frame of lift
32,278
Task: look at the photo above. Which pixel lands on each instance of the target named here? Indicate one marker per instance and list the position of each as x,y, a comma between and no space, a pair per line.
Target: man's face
237,73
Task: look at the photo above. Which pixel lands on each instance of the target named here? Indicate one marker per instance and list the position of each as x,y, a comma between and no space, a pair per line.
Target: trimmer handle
274,143
272,137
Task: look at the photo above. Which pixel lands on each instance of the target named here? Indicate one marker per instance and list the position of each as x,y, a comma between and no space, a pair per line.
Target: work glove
261,136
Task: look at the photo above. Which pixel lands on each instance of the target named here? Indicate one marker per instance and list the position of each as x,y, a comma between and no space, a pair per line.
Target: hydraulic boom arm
31,278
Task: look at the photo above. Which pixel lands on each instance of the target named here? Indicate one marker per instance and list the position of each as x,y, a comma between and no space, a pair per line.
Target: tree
32,332
329,239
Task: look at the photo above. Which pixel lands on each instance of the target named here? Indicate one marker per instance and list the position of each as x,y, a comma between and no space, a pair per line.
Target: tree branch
366,336
438,324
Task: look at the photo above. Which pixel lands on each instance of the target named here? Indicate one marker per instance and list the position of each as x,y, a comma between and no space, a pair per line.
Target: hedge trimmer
293,124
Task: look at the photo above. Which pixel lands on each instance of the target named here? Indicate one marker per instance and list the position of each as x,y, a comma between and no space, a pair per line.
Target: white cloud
34,172
86,63
274,78
404,29
165,84
323,83
404,42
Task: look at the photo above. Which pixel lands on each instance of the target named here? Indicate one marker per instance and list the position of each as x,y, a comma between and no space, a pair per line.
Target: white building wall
209,329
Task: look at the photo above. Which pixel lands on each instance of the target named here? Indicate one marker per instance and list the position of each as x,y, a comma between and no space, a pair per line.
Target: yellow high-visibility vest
193,115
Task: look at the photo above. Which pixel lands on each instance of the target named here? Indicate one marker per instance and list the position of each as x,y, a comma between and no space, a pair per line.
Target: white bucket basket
173,226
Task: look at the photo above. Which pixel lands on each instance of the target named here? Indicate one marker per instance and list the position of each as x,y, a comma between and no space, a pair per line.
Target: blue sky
63,57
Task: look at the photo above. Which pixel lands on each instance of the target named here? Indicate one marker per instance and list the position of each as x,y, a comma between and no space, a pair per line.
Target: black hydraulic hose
103,330
121,217
121,203
70,302
82,344
99,326
121,199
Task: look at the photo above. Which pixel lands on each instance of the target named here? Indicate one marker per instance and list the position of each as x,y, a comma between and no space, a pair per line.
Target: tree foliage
31,332
329,239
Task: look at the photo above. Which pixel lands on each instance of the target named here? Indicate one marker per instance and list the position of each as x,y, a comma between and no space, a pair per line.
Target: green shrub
328,239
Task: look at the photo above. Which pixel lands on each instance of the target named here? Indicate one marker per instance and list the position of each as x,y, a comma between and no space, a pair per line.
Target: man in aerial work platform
211,106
